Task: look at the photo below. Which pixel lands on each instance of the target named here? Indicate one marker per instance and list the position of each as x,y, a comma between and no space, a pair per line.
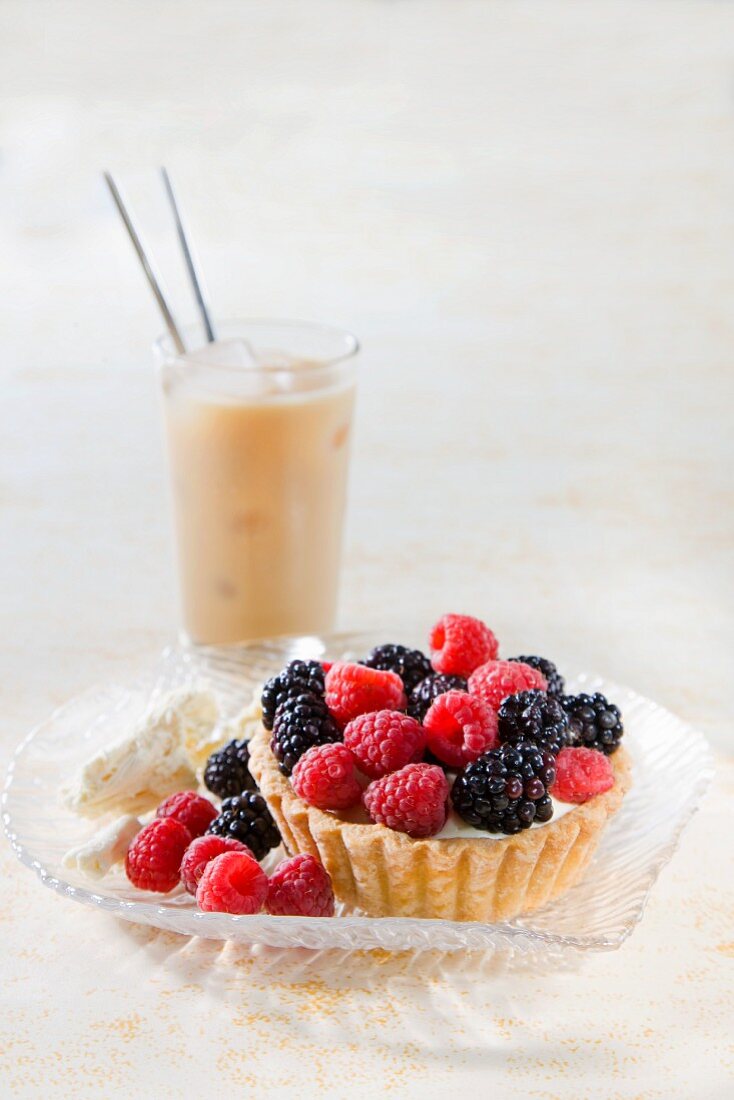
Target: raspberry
556,683
534,716
384,741
506,790
300,722
595,722
202,851
352,690
300,887
429,689
232,883
412,801
153,860
246,817
459,728
326,777
295,678
410,665
495,680
227,770
191,809
460,644
581,774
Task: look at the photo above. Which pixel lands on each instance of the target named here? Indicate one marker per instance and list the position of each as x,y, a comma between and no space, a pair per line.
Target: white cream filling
457,828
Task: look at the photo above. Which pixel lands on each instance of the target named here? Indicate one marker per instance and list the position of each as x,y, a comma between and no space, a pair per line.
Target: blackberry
411,665
246,817
595,723
556,683
301,721
295,678
429,689
506,789
227,770
534,716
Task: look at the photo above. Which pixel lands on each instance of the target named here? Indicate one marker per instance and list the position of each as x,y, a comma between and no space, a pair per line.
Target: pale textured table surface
526,211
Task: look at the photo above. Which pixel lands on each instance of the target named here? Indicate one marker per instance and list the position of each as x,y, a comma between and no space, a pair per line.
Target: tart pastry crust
387,874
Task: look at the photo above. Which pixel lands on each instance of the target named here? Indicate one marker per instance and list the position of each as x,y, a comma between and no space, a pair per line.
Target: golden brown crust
385,873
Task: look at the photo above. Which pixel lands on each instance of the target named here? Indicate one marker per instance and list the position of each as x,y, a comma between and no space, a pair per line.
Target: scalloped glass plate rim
179,664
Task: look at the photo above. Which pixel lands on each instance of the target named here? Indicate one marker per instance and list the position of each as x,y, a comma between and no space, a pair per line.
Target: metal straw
147,265
194,270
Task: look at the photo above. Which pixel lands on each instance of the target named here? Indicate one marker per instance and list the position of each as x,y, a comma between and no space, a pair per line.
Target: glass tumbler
258,428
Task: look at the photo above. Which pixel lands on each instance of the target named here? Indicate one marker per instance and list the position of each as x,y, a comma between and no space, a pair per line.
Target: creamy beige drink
258,439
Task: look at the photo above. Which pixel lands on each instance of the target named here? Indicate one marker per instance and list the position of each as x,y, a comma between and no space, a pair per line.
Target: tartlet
386,873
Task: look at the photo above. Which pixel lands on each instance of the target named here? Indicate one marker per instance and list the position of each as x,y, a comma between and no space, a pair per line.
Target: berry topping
459,728
581,774
429,689
191,809
326,777
352,690
413,800
460,644
595,722
232,883
534,716
300,887
301,721
506,790
556,683
495,680
202,851
385,741
247,818
153,860
410,665
297,677
227,770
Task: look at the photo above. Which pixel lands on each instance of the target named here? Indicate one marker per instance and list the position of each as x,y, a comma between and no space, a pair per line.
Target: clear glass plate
672,766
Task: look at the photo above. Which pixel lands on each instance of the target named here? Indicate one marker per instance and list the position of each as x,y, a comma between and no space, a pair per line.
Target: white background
526,211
